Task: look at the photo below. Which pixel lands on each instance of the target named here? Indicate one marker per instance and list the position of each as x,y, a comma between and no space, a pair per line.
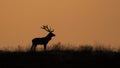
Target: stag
43,40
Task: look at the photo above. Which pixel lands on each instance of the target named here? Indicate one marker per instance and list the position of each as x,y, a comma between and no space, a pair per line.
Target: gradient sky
74,21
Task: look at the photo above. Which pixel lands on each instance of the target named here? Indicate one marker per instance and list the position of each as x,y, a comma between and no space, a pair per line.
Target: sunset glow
74,21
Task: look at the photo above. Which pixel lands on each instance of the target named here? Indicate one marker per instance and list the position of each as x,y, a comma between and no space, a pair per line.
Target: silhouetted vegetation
59,56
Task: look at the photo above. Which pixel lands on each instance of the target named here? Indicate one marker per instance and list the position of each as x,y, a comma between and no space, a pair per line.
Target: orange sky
74,21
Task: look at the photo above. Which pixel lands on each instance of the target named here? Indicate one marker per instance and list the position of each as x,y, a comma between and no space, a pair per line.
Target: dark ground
60,59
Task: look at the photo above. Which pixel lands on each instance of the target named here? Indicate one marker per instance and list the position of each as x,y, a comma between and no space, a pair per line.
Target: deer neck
48,37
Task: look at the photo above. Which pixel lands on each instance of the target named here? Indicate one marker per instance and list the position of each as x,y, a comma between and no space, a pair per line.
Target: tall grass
64,47
60,54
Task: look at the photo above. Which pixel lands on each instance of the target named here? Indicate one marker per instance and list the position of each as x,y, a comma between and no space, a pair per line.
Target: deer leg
45,46
34,47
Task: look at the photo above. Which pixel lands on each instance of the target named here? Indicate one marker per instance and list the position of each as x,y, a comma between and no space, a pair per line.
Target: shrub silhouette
56,57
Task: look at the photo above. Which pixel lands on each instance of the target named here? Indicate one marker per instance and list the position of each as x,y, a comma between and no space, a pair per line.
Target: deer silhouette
43,40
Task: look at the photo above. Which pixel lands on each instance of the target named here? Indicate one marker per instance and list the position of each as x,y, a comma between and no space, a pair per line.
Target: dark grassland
61,58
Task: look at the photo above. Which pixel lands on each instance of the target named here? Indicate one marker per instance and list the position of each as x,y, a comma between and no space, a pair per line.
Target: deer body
44,40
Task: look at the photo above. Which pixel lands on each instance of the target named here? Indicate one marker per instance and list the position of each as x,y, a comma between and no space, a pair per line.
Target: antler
45,27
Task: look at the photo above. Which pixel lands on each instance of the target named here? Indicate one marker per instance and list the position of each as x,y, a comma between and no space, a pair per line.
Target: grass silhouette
60,56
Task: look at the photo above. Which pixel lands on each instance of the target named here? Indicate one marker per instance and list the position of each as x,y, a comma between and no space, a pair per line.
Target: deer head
48,29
